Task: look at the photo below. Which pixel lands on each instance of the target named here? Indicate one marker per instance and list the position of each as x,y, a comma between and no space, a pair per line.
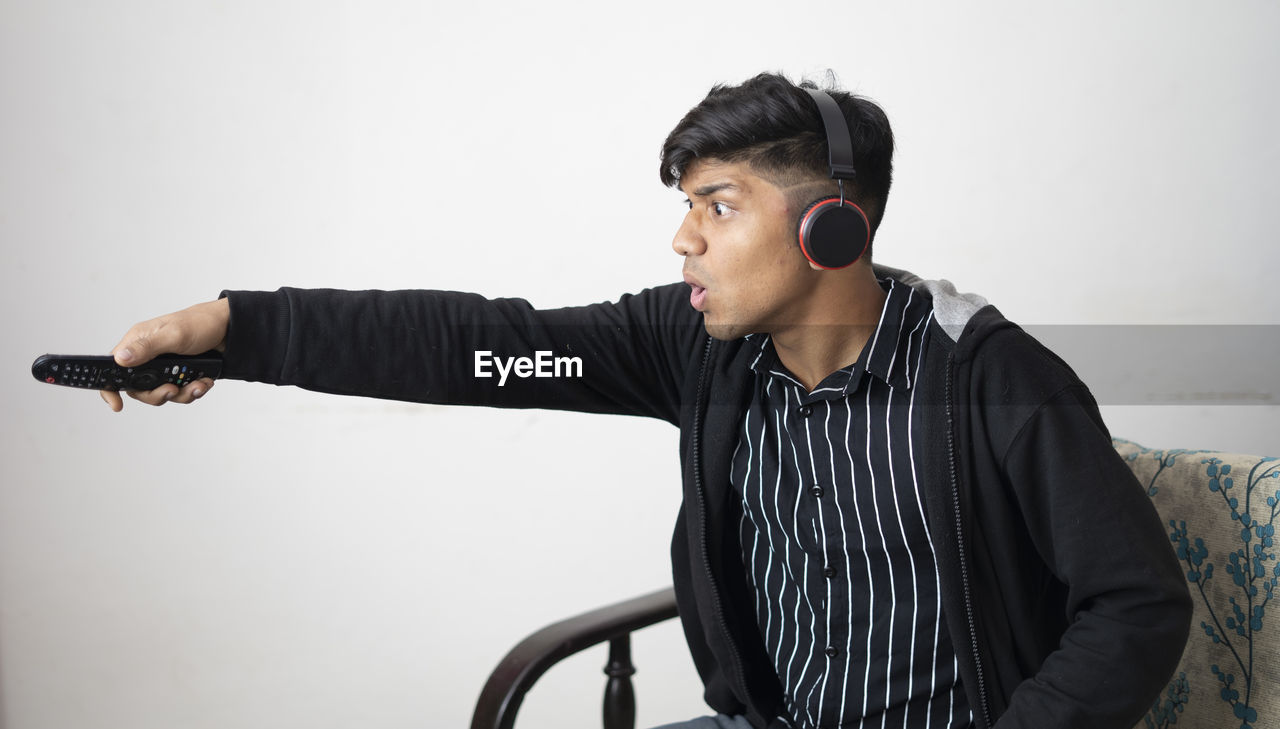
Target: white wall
278,558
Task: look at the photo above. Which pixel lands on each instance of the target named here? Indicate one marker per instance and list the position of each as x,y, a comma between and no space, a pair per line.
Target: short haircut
774,126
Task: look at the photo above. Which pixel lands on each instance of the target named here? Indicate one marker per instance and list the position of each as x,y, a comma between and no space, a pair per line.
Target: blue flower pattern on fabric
1254,571
1166,709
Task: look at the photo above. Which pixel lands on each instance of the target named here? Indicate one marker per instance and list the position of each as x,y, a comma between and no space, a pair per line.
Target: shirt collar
891,350
887,354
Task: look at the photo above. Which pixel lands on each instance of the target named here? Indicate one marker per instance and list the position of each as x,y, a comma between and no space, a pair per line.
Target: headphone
834,231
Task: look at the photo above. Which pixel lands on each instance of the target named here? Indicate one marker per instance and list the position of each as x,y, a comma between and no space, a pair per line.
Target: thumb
193,330
133,350
144,342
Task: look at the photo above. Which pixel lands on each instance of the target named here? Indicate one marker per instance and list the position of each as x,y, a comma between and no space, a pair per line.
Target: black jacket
1060,588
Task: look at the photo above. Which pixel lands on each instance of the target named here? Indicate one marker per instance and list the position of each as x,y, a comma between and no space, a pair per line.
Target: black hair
774,126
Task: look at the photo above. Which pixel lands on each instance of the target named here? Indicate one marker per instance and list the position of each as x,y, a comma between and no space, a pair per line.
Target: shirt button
829,572
817,492
832,652
805,411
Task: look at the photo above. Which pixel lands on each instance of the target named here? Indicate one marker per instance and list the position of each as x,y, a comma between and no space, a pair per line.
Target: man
900,510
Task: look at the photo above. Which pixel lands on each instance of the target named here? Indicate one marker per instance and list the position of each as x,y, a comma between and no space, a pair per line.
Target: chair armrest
524,664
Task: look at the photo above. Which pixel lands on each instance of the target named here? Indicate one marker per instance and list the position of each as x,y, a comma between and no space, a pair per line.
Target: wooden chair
1220,511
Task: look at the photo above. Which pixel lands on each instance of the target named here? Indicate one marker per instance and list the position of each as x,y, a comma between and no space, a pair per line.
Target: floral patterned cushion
1220,512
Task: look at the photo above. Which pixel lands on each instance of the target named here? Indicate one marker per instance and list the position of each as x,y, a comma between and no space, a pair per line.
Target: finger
203,386
158,396
112,399
192,392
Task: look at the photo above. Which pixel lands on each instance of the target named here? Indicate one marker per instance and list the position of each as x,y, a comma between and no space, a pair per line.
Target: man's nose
688,241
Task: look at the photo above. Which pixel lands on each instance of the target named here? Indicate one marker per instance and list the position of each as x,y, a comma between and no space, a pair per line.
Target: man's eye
689,203
719,208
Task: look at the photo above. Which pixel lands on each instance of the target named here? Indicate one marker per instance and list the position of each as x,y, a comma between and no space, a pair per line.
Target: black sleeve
1128,608
626,357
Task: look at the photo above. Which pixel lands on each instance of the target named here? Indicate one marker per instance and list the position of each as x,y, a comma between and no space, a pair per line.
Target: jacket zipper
703,527
964,564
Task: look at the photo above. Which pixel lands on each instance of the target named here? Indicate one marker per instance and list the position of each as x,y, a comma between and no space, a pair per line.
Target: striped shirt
835,540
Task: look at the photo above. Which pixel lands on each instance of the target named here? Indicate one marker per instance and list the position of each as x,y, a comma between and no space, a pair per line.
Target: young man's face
741,259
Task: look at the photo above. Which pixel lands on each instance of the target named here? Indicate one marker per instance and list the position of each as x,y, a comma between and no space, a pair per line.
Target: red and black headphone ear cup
833,235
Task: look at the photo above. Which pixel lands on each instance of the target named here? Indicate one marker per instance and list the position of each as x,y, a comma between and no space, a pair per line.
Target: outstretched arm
442,347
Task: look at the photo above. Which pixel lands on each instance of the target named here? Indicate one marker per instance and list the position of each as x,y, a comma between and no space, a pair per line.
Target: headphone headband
839,144
834,232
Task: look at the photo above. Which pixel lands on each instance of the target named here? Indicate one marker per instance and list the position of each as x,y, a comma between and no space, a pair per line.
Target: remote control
95,372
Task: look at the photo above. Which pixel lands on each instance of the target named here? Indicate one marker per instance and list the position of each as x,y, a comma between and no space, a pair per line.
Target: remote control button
51,379
144,381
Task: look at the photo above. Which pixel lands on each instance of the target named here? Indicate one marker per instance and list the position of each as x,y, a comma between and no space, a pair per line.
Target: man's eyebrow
713,188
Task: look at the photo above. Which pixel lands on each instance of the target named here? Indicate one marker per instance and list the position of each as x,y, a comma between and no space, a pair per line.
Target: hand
193,330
